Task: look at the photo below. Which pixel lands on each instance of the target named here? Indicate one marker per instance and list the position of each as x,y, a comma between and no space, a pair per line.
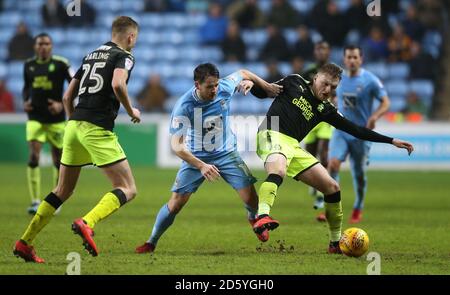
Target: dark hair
353,47
42,35
331,69
122,23
322,42
205,70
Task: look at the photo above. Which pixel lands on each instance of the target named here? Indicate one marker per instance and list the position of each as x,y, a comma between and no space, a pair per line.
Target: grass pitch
407,218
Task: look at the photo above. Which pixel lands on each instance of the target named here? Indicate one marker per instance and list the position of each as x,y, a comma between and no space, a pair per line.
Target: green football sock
333,212
34,183
110,202
42,217
267,194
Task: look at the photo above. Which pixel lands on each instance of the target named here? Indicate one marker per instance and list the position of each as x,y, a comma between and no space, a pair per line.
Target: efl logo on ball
354,242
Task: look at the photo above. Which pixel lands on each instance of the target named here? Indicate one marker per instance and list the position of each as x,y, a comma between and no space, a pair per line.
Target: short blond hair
331,69
122,23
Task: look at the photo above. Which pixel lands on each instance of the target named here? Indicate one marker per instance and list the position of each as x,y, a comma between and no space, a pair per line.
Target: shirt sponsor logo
304,106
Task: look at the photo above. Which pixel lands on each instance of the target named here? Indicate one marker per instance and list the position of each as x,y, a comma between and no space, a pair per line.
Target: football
354,242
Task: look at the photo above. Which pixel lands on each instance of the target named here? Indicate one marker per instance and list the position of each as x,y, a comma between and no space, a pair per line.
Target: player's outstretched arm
69,96
403,145
210,172
119,86
364,133
270,89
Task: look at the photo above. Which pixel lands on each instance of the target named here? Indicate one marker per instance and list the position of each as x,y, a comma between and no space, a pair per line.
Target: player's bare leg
318,177
164,220
250,199
124,190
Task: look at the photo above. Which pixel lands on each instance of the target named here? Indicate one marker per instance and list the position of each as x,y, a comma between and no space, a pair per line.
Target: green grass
407,218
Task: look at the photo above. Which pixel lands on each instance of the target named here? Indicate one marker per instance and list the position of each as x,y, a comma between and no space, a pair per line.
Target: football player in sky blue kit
356,94
202,138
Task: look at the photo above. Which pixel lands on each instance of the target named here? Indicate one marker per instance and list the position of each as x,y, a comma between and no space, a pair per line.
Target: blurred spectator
375,45
421,63
356,17
233,47
213,31
318,11
54,14
413,27
273,73
297,65
389,7
415,106
153,96
283,15
6,99
304,46
276,46
246,13
21,44
155,5
432,13
330,25
197,6
399,45
322,52
164,5
87,15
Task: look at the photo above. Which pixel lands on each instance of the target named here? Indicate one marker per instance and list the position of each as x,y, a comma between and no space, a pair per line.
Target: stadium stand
169,45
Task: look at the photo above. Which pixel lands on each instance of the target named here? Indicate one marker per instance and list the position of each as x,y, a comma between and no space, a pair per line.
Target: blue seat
15,85
6,33
135,85
15,68
290,35
398,103
3,70
229,67
302,5
353,37
398,71
178,87
256,38
336,54
10,19
195,20
58,36
258,68
171,36
285,68
212,54
424,89
144,54
191,53
396,88
378,69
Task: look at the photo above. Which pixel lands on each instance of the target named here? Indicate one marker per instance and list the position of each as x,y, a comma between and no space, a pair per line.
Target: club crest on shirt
128,64
223,104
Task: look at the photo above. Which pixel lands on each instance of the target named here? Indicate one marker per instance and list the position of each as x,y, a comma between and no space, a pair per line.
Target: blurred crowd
399,34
